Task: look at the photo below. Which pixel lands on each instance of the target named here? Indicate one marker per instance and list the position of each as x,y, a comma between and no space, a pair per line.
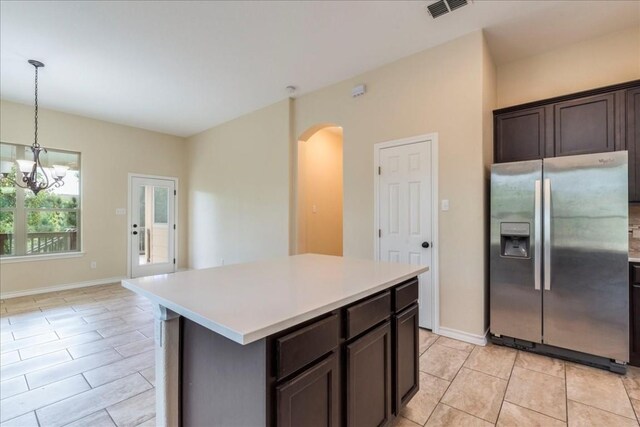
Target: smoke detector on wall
441,7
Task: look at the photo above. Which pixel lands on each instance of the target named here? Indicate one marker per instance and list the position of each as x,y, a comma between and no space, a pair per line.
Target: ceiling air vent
438,8
454,4
441,7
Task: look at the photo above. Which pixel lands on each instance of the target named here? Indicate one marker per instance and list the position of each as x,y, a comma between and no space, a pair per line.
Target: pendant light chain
36,143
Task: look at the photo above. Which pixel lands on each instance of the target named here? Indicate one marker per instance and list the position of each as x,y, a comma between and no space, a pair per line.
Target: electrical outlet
94,264
121,211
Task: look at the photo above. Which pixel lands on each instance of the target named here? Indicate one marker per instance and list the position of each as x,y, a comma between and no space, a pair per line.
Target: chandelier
34,175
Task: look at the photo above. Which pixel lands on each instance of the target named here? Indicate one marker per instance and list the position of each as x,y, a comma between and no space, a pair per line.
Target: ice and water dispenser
515,239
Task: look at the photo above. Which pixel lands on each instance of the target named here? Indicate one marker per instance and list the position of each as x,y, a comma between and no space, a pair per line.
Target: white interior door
405,214
152,226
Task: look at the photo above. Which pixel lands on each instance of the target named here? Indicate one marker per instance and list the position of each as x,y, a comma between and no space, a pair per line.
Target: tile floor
81,357
84,357
466,385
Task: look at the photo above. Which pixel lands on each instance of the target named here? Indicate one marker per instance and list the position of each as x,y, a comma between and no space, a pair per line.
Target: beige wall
320,186
438,90
614,58
109,152
239,189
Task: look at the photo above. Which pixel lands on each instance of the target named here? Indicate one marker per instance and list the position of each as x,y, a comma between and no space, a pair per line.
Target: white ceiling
182,67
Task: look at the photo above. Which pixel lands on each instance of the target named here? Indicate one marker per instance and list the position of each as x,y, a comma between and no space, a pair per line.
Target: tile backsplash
634,231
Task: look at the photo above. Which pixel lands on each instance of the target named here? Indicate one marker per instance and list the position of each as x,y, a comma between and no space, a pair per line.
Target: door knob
135,225
425,245
135,232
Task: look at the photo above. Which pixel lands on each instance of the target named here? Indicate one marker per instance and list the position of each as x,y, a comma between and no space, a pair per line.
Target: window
43,224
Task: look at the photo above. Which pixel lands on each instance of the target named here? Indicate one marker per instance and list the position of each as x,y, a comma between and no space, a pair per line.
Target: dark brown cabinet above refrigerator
595,121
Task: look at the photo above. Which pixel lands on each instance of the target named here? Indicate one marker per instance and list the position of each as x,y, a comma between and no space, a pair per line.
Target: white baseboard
44,290
464,336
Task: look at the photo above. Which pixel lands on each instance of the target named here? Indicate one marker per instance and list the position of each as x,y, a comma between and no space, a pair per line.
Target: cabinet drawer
405,295
635,273
303,346
368,313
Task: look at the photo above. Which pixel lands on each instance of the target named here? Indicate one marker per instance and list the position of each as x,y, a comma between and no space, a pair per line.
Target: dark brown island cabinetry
594,121
356,366
634,305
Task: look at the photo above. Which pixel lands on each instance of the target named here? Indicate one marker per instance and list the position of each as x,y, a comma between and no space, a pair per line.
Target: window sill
44,257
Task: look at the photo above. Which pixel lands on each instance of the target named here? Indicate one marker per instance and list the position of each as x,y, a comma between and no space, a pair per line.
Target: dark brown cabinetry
368,378
633,142
405,325
634,304
312,398
595,121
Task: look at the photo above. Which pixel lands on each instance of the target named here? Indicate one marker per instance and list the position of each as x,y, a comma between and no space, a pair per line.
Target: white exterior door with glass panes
152,226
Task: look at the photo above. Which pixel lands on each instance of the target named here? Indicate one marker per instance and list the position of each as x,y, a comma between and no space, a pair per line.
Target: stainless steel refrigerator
559,257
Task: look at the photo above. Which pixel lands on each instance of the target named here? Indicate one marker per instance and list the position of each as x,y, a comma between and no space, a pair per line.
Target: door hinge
174,226
175,192
174,260
379,170
379,233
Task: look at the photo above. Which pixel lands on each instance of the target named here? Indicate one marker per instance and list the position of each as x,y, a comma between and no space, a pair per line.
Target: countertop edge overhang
145,287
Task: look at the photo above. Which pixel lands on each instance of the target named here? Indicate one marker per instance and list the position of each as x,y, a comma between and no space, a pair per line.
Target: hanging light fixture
34,176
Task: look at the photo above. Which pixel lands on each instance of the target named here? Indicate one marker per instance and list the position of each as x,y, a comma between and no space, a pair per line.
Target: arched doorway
320,191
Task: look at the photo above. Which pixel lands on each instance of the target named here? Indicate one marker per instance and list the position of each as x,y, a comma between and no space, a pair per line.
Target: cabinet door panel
368,364
520,135
407,377
312,398
633,143
585,125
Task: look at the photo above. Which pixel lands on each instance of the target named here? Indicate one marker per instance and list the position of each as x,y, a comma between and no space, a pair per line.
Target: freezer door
586,294
514,285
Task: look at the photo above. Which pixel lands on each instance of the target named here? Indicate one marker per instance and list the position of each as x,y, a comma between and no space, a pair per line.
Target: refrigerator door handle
537,237
547,234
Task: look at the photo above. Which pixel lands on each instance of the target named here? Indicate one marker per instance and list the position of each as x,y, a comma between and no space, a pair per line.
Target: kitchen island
301,340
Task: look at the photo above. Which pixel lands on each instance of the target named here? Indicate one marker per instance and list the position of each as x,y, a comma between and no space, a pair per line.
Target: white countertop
247,302
633,258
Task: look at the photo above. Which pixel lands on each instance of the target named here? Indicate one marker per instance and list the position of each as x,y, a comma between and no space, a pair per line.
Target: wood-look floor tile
492,360
29,342
120,369
26,420
136,347
71,368
104,344
476,393
9,357
584,415
121,329
70,331
443,362
446,416
23,333
458,345
112,314
79,406
539,363
12,387
514,415
33,364
97,419
6,336
539,392
135,410
601,390
40,397
149,374
29,322
49,347
148,331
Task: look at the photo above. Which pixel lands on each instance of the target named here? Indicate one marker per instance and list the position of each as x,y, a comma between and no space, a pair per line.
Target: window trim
9,259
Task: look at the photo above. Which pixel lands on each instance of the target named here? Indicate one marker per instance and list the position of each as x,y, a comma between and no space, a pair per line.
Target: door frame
434,270
130,177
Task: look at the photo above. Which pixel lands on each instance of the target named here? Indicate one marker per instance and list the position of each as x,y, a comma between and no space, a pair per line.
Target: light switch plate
121,211
445,204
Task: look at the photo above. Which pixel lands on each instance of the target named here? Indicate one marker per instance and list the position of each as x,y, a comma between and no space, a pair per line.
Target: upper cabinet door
520,135
633,143
585,125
